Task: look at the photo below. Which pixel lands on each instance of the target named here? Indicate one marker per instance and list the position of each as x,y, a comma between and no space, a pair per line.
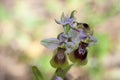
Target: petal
70,46
82,35
51,43
71,20
62,37
61,22
92,40
74,36
58,22
72,13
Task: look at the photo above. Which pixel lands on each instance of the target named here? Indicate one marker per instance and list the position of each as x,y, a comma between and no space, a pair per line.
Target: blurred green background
23,23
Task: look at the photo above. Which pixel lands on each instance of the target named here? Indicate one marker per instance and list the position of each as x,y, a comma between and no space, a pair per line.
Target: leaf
51,43
37,73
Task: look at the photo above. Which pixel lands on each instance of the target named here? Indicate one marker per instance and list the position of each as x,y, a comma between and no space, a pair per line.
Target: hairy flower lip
60,57
80,56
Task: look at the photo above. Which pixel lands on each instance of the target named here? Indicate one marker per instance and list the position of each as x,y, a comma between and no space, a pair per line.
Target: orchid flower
74,41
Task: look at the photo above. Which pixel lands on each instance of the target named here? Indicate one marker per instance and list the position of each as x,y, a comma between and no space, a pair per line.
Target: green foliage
37,73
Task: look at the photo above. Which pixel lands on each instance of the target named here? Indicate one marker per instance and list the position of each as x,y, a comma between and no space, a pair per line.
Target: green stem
62,72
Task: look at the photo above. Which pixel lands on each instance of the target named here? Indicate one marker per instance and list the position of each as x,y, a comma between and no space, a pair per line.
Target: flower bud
59,60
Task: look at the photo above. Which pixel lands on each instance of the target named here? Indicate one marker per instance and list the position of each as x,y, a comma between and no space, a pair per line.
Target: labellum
80,54
59,60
